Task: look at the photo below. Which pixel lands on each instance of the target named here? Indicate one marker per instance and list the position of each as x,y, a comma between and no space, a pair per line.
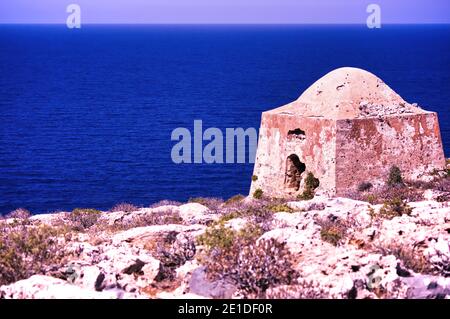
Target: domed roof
348,93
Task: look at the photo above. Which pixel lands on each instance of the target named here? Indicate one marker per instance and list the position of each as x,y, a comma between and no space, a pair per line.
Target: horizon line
222,23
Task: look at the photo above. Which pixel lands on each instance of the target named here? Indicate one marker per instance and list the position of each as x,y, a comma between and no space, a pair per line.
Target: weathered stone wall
367,148
315,148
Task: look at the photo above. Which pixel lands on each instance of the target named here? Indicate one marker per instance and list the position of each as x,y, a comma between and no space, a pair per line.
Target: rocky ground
243,248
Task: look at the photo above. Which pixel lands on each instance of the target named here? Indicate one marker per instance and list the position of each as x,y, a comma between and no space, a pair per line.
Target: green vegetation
306,195
234,199
84,218
311,183
372,199
258,193
217,236
124,207
211,202
364,186
332,232
331,235
229,216
395,177
394,207
253,265
26,250
276,208
372,212
19,213
411,258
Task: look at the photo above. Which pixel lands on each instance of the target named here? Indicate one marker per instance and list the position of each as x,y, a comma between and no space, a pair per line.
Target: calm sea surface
86,115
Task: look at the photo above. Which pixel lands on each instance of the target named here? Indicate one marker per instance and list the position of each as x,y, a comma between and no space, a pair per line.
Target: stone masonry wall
315,148
367,148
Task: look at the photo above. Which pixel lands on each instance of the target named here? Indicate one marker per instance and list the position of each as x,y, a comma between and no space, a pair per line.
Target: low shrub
405,189
372,199
410,257
124,207
442,185
258,193
83,218
332,231
395,177
443,198
332,235
142,220
165,202
229,216
394,207
302,290
173,252
364,186
311,183
306,195
27,250
381,195
234,199
19,213
211,202
217,236
276,208
251,265
257,212
254,178
262,265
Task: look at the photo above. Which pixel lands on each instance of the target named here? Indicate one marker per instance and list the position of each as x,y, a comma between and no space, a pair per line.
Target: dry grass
27,249
411,257
332,231
124,207
251,265
302,290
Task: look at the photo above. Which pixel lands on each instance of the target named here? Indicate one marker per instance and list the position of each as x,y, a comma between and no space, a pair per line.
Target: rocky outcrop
45,287
363,256
195,213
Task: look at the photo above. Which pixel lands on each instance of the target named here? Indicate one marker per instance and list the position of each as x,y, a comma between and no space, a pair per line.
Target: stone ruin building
347,128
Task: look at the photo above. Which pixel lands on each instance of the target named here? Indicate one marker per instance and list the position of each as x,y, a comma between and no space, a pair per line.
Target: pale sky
225,11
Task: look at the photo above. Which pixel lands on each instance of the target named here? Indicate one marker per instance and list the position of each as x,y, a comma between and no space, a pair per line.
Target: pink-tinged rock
195,213
45,287
294,239
155,232
236,224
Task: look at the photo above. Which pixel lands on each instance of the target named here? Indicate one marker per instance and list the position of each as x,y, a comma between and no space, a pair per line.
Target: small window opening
297,131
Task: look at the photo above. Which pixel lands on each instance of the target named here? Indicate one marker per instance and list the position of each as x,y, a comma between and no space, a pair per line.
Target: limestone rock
372,260
194,213
236,224
45,287
155,232
200,285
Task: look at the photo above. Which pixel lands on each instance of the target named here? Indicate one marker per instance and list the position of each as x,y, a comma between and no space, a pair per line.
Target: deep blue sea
86,115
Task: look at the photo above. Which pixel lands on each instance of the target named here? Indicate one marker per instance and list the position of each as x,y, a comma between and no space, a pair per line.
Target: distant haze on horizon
225,11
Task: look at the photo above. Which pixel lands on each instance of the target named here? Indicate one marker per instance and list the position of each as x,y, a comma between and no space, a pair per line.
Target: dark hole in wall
294,170
296,131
